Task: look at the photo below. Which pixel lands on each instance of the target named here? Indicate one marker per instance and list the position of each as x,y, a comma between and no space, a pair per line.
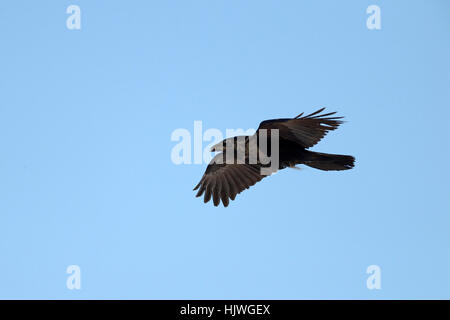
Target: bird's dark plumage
223,181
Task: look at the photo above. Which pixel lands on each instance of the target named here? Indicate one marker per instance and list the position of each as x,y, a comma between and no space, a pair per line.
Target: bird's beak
213,149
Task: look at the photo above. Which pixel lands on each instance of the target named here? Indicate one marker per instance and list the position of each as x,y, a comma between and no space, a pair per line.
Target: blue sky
86,176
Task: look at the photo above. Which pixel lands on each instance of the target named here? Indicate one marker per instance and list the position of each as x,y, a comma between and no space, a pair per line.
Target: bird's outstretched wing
306,130
224,181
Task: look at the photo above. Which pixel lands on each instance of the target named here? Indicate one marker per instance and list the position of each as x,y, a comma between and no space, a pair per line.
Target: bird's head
233,142
219,147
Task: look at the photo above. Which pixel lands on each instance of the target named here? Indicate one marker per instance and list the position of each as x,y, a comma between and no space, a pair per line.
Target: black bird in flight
223,180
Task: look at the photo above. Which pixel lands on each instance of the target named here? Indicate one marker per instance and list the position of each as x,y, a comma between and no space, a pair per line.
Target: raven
223,180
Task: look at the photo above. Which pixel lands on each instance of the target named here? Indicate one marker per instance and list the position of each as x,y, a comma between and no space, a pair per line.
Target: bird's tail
327,162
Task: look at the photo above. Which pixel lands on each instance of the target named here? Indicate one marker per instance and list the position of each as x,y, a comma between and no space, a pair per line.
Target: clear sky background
86,176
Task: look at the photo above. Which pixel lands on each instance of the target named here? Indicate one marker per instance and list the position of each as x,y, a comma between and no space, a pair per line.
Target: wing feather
307,130
222,182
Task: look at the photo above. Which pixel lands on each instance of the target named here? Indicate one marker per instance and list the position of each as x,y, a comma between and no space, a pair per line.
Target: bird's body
243,160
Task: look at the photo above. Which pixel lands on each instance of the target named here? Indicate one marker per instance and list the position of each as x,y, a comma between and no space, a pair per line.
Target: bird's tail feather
327,162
